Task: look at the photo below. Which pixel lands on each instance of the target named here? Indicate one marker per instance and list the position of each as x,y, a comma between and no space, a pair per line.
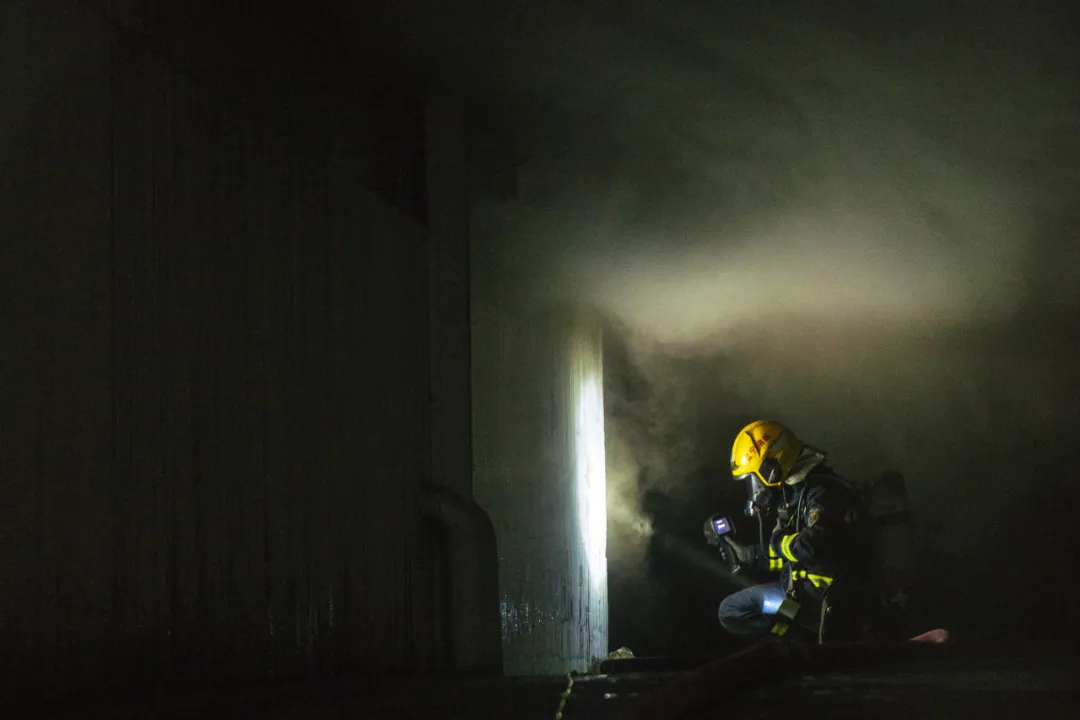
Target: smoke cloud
859,218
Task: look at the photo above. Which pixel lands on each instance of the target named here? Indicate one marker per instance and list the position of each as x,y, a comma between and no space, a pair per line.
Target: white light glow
591,472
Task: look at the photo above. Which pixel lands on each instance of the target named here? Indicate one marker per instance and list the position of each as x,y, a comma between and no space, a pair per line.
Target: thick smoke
860,219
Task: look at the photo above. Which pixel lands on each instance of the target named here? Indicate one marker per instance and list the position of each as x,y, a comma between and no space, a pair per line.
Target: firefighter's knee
727,612
739,614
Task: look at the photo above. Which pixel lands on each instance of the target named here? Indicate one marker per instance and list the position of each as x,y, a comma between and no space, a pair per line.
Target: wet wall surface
540,476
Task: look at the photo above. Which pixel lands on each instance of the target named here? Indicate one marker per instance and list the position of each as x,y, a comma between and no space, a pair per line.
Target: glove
744,555
710,535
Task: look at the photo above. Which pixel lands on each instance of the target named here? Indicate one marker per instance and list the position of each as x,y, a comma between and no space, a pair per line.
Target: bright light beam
591,473
586,395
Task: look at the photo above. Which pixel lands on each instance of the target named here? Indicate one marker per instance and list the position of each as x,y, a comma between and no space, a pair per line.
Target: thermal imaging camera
721,526
717,527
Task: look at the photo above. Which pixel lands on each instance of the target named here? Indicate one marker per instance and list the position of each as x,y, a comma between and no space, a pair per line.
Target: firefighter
815,547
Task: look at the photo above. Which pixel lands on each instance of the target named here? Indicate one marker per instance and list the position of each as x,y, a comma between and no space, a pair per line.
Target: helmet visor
770,471
769,474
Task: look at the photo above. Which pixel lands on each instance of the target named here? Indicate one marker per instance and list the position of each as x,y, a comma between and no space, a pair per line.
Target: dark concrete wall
214,358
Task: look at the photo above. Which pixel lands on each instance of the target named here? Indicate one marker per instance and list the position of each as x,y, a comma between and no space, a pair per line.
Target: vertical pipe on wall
468,538
448,288
470,583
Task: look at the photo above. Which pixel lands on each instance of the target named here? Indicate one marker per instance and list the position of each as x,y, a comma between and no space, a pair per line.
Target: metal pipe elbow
472,556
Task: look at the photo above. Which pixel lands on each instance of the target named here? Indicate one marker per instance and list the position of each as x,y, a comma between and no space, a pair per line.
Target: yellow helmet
764,451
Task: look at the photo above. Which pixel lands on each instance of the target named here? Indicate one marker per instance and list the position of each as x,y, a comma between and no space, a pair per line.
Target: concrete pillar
540,474
448,317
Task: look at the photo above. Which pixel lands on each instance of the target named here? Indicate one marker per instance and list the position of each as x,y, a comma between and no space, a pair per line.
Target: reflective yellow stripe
779,627
819,581
776,564
785,546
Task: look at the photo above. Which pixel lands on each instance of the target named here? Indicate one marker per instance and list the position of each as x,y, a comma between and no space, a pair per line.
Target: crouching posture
815,549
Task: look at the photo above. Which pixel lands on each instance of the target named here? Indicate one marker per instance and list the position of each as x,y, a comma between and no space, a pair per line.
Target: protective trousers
753,612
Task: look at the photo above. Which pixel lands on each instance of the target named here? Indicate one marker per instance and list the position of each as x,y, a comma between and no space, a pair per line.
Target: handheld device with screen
721,526
717,529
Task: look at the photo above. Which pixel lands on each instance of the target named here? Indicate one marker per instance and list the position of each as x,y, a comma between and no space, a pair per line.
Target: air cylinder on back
886,505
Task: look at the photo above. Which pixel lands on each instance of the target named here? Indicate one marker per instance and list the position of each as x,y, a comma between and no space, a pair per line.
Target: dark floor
946,687
496,698
966,689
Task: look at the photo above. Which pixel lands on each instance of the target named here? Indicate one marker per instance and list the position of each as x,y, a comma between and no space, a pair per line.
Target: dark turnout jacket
820,541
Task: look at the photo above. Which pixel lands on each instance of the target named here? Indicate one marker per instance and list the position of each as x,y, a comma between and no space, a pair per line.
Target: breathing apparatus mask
760,497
